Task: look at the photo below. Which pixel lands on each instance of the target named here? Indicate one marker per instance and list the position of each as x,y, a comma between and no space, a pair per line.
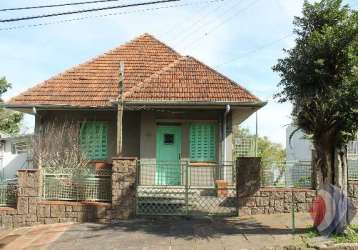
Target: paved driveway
254,232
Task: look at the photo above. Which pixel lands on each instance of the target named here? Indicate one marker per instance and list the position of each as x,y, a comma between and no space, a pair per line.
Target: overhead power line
226,19
255,50
106,15
58,5
84,11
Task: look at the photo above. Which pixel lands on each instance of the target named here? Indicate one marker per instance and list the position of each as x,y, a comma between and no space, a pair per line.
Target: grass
349,236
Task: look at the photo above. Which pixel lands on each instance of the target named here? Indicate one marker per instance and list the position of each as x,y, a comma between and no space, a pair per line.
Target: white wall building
299,148
15,154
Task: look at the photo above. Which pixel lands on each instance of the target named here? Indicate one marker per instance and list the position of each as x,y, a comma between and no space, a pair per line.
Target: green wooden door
168,155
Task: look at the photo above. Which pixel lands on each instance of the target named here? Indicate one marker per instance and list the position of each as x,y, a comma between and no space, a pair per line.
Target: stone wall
252,199
353,191
31,210
276,200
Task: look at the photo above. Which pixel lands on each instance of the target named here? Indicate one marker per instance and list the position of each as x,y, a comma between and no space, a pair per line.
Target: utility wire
202,22
196,41
84,11
58,5
179,28
105,15
255,50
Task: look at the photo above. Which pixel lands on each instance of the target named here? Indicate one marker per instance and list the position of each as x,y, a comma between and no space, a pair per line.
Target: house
175,107
15,154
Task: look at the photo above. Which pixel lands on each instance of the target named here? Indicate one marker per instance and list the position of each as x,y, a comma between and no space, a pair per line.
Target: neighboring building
299,148
175,107
15,154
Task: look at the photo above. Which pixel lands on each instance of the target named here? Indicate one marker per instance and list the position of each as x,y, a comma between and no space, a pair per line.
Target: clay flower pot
100,165
221,188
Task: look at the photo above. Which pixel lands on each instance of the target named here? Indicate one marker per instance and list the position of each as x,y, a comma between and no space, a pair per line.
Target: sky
240,38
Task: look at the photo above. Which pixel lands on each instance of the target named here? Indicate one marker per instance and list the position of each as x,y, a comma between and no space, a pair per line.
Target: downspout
227,111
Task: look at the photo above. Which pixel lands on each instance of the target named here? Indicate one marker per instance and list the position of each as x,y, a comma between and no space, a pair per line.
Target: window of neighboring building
202,142
93,140
19,147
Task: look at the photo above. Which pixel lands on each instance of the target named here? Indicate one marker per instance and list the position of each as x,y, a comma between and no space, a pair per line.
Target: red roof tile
153,72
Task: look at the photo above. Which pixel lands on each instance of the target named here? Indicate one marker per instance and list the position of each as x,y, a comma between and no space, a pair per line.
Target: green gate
206,189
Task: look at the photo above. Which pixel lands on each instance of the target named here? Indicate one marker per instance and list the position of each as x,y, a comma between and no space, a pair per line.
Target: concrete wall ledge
7,209
76,203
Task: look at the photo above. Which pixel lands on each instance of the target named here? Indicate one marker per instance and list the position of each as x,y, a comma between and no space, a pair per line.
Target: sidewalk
254,232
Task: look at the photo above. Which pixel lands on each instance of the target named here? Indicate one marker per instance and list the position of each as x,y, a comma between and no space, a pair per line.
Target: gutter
258,104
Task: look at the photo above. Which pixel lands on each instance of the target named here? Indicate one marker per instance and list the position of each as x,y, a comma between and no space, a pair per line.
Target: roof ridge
234,83
157,73
162,43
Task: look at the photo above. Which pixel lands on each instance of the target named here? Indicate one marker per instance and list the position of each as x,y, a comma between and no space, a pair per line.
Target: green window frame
202,140
93,140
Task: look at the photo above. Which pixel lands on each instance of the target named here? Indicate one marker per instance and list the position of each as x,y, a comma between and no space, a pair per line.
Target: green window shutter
202,142
93,140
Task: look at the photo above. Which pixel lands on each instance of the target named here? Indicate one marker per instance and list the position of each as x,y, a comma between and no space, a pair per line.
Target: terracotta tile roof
153,72
187,79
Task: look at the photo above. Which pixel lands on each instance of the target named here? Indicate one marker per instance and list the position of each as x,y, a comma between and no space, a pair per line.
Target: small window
19,147
168,138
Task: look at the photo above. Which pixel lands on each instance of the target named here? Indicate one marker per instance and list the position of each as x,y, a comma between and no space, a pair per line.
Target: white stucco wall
299,148
10,163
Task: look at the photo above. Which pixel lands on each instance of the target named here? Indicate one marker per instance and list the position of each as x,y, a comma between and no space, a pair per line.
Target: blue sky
240,38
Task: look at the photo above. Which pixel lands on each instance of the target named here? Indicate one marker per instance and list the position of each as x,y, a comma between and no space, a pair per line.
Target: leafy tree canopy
320,74
320,77
9,120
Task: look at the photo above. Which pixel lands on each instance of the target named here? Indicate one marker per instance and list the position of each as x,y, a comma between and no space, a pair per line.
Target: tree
319,76
9,120
266,149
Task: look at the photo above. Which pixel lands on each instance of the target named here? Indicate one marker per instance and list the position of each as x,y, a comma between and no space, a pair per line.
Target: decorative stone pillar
28,196
248,180
123,187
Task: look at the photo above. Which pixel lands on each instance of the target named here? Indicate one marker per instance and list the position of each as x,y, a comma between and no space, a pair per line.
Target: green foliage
9,120
320,74
267,150
349,236
270,151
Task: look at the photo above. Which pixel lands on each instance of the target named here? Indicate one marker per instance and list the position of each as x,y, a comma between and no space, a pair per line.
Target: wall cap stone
124,158
28,170
280,189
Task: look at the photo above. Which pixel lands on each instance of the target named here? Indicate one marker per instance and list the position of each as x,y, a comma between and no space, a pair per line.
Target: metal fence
83,184
286,174
8,194
167,188
244,146
352,162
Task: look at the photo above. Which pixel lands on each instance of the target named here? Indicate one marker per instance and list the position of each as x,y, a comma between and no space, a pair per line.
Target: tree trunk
341,169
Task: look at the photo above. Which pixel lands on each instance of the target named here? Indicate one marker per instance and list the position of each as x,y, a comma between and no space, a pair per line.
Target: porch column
123,187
